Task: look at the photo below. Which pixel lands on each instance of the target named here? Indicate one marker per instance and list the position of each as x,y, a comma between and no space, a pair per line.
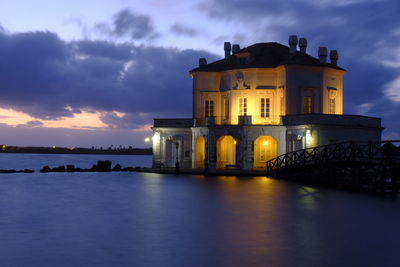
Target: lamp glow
265,143
156,138
147,139
308,138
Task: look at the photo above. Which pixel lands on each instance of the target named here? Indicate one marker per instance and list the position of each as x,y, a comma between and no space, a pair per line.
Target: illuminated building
257,103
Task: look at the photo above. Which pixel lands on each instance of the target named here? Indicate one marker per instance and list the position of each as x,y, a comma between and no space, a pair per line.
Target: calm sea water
138,219
37,161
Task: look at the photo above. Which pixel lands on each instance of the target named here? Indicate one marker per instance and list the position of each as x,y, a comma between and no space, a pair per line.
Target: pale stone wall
304,136
331,134
288,138
164,150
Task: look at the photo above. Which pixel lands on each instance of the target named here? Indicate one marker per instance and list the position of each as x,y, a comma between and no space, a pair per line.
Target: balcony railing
174,123
238,120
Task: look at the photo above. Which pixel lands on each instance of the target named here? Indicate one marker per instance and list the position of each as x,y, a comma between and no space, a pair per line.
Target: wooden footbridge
372,166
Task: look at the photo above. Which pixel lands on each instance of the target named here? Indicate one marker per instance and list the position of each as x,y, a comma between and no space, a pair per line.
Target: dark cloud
50,79
34,123
126,121
128,23
237,38
181,29
366,33
103,49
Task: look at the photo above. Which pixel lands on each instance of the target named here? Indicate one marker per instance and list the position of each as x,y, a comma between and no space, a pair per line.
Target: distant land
76,150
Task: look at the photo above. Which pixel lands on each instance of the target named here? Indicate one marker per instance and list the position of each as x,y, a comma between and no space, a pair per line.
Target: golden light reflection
231,179
263,180
199,177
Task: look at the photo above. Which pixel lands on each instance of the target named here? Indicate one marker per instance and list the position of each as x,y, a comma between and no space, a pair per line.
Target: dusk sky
96,73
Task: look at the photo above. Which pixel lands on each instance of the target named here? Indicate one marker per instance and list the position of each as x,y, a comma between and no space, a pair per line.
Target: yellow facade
200,150
265,94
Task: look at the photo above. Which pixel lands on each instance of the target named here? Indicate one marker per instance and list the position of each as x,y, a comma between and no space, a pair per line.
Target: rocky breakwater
101,166
17,171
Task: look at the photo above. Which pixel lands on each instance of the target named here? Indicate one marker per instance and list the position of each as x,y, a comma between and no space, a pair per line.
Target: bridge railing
344,151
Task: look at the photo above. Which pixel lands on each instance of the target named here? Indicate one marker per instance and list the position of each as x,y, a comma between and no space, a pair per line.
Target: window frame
243,106
209,108
332,105
265,107
308,105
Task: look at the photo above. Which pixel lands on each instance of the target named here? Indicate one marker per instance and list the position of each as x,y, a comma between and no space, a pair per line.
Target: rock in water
45,169
117,168
104,166
70,168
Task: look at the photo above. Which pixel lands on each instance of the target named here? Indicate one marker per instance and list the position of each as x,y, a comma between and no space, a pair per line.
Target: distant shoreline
77,150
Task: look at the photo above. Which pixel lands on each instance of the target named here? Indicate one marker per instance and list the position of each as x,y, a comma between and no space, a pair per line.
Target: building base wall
173,144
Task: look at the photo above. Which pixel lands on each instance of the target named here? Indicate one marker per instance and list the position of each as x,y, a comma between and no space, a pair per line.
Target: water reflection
308,197
248,223
137,219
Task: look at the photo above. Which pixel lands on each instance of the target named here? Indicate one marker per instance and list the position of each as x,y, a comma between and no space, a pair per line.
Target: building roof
264,55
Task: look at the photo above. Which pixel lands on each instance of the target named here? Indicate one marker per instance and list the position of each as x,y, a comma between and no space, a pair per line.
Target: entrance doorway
226,151
265,148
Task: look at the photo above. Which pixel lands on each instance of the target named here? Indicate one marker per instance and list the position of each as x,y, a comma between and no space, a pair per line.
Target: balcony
173,123
332,119
237,120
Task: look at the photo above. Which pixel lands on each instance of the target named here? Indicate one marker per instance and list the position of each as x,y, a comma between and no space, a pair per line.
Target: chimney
303,45
293,43
322,54
227,48
235,48
202,61
334,56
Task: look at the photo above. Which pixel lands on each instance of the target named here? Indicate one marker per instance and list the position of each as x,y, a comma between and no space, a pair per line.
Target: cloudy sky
87,72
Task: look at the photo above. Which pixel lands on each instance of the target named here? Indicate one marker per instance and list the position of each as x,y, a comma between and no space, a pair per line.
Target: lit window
226,109
243,106
265,107
282,106
307,105
332,105
209,111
